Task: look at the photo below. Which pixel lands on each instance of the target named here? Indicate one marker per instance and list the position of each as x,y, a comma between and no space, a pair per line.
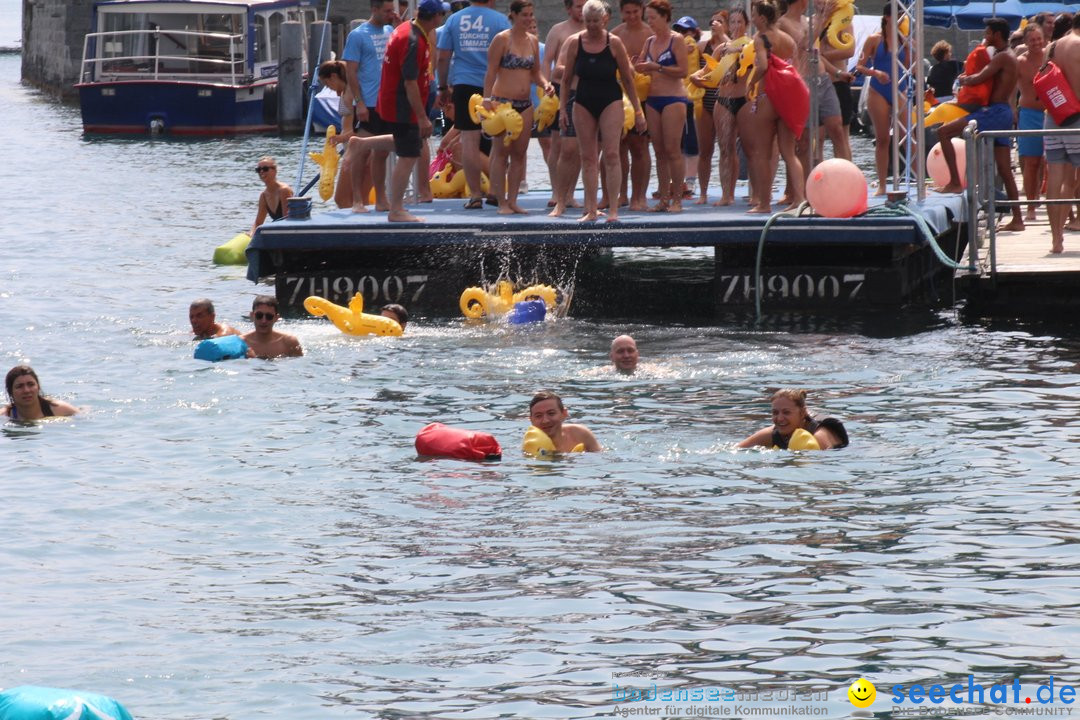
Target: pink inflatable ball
938,169
837,188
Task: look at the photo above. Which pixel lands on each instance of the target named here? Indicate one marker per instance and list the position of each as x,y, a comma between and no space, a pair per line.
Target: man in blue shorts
996,115
466,39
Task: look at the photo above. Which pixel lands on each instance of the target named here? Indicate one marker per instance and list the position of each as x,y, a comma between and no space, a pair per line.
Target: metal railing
162,66
981,174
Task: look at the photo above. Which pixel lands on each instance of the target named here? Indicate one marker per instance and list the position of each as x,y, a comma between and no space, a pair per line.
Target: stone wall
52,41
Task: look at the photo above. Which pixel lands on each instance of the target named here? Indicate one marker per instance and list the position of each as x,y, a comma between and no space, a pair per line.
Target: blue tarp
970,16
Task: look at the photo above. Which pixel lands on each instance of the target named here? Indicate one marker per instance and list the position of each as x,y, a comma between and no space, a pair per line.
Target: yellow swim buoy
546,111
352,320
801,440
233,252
477,302
537,444
327,160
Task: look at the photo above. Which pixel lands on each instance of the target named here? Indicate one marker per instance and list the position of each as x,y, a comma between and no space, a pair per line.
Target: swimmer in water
204,324
788,414
397,313
624,354
546,412
27,402
264,341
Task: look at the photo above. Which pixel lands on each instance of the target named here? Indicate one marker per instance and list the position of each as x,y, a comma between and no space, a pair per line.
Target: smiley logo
862,693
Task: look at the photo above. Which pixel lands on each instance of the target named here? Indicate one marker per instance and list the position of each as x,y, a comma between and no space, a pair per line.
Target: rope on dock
761,251
896,209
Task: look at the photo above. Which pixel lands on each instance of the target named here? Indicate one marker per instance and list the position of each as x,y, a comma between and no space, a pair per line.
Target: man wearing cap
406,77
466,39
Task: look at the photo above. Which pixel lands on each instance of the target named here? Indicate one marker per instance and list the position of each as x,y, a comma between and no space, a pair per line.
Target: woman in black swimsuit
273,201
513,68
730,98
592,57
789,414
27,402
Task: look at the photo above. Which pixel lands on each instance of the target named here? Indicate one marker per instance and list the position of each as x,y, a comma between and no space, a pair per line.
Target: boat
185,67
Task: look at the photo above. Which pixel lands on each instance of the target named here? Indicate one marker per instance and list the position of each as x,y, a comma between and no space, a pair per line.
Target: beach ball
837,188
938,169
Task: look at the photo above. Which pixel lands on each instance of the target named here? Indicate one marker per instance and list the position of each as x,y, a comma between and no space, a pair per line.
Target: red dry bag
1057,95
438,440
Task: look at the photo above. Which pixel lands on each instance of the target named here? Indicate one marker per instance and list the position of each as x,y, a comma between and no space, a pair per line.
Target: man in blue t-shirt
468,34
364,50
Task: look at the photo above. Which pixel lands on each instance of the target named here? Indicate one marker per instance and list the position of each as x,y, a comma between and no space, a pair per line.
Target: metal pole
920,124
897,126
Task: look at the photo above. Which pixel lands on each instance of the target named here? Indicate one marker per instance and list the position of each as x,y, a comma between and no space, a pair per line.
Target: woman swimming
27,402
789,414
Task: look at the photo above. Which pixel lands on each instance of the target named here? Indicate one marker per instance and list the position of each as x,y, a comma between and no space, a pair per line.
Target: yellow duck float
450,183
642,82
352,320
538,444
503,119
546,112
627,115
476,302
716,70
839,27
327,160
746,65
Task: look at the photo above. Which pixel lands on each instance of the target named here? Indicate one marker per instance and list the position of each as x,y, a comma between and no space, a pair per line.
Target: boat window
172,43
275,32
262,40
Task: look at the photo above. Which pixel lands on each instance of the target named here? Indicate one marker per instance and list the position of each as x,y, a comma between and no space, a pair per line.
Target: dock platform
1026,274
698,263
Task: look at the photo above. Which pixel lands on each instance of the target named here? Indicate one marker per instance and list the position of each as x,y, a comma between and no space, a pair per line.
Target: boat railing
218,56
983,202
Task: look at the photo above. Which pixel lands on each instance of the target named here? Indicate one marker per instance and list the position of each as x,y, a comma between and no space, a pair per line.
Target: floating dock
698,263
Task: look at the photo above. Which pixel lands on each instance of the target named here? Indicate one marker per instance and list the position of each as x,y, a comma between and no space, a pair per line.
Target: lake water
258,539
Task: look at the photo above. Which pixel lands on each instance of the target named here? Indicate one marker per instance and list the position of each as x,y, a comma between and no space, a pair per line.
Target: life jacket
1056,93
979,94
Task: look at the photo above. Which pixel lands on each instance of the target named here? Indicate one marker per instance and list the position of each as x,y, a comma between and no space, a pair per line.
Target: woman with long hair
706,127
664,58
730,99
513,68
27,401
875,62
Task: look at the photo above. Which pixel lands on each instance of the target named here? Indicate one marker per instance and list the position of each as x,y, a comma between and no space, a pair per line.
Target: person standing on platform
1063,153
403,95
634,149
564,159
1031,116
875,62
365,48
997,115
466,39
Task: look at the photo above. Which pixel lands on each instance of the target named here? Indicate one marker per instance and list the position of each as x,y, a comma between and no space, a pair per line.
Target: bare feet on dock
360,208
590,217
558,210
1073,225
794,206
382,208
676,206
612,217
950,188
760,210
403,216
724,202
661,206
702,200
1029,216
639,206
1058,247
518,209
1015,225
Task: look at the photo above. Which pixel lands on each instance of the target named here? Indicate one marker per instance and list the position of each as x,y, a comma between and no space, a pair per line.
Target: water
258,539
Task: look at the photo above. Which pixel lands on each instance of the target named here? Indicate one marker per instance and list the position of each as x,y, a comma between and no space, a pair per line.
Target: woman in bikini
664,58
789,414
730,99
706,130
27,402
592,57
875,62
513,68
777,113
274,199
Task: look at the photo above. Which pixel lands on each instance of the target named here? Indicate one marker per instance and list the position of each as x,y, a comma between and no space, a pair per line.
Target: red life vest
438,440
1057,95
979,94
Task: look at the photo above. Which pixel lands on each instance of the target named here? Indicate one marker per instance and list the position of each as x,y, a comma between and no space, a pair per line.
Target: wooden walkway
1028,251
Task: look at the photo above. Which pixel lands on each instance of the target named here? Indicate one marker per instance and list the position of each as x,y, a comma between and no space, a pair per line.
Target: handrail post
972,201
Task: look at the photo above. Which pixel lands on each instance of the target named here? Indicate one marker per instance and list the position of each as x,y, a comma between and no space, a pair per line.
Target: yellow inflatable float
943,113
352,320
233,252
801,440
450,183
537,444
642,82
839,27
715,70
546,111
503,119
327,161
627,115
477,302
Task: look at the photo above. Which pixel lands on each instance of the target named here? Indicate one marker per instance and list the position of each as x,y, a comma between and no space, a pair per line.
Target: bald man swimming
624,354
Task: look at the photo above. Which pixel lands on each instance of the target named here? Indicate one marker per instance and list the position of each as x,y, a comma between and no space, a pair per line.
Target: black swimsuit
597,87
280,210
46,409
830,423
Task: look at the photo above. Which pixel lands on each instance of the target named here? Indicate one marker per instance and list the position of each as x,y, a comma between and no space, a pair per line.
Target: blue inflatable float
28,702
227,347
527,311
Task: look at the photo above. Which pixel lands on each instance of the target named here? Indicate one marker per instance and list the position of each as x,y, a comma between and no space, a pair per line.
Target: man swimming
204,324
624,354
546,412
265,342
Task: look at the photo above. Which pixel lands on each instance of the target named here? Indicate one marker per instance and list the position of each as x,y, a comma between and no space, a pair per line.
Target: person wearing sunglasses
265,342
274,200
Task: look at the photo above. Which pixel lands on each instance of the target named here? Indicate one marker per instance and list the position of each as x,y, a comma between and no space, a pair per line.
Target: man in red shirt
406,78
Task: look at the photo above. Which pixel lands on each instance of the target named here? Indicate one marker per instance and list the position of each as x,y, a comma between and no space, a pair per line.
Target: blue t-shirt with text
366,45
469,33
